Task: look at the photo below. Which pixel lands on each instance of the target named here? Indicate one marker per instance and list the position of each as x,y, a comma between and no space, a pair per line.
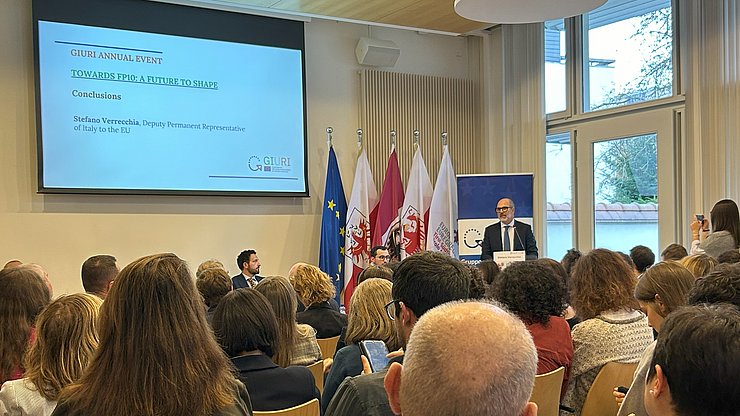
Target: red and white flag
387,228
415,210
363,203
443,211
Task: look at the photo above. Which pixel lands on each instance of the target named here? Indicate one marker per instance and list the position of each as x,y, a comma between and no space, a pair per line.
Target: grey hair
480,355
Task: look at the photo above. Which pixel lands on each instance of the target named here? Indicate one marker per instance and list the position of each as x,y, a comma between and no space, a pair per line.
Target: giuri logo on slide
270,163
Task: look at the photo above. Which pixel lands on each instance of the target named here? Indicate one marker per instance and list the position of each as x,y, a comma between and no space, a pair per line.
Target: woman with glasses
368,320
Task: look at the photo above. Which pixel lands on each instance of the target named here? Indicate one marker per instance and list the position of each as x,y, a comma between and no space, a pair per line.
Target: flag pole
393,139
416,138
444,138
329,131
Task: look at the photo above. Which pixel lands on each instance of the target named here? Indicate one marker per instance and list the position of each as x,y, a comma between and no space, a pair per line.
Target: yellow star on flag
339,267
341,251
331,205
337,212
341,231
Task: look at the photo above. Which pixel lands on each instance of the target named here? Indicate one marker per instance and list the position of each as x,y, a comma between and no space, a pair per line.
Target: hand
365,365
327,364
394,354
618,397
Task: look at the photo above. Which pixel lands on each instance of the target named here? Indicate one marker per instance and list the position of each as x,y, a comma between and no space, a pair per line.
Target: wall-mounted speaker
376,52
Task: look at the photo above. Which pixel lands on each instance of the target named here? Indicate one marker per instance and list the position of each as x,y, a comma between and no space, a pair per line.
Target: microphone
519,238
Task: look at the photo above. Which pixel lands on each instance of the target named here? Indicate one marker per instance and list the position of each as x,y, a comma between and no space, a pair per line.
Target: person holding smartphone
725,230
367,321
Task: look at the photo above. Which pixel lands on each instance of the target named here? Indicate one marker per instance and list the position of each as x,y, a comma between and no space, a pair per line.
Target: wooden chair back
600,400
546,392
311,408
328,346
317,369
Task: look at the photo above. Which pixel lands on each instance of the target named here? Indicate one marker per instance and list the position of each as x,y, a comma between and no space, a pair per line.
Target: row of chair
546,393
599,401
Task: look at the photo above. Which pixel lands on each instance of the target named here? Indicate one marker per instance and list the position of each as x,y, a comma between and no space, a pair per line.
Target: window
559,195
555,71
628,53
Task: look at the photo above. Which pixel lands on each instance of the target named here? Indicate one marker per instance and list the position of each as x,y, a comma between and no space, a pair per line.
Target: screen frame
176,20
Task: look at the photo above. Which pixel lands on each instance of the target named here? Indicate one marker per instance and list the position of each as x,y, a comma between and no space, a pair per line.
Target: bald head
450,351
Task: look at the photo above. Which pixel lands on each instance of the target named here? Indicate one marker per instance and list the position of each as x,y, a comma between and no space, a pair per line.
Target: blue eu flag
331,253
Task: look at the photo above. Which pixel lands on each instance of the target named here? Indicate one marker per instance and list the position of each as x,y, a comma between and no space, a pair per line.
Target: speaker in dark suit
520,234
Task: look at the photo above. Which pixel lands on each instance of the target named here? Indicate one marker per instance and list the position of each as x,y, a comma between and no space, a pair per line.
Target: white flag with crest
443,211
415,209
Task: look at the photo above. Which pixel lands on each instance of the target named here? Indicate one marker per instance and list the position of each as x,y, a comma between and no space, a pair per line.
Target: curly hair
699,264
213,283
311,284
601,281
532,291
367,318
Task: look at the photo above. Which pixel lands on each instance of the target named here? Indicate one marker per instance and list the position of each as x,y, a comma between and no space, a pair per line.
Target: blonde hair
367,317
66,339
282,297
209,264
699,264
311,284
156,355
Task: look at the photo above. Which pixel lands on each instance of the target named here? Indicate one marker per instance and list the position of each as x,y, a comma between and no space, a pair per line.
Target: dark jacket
324,319
523,240
274,388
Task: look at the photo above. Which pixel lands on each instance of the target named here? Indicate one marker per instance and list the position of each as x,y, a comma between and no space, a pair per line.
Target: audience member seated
421,282
66,339
449,370
673,252
12,263
209,264
533,292
247,329
296,343
249,265
642,257
612,329
661,290
213,283
729,256
332,302
478,286
490,270
314,289
367,320
722,285
23,294
695,370
569,260
98,273
375,272
699,264
631,264
725,235
156,354
569,313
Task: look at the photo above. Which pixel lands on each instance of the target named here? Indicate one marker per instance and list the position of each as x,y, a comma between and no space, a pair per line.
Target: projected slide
124,110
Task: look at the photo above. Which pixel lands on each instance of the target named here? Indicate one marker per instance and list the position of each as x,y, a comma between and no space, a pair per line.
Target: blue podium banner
477,196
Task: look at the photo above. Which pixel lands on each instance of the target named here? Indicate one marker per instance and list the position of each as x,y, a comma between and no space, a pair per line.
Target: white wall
61,231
